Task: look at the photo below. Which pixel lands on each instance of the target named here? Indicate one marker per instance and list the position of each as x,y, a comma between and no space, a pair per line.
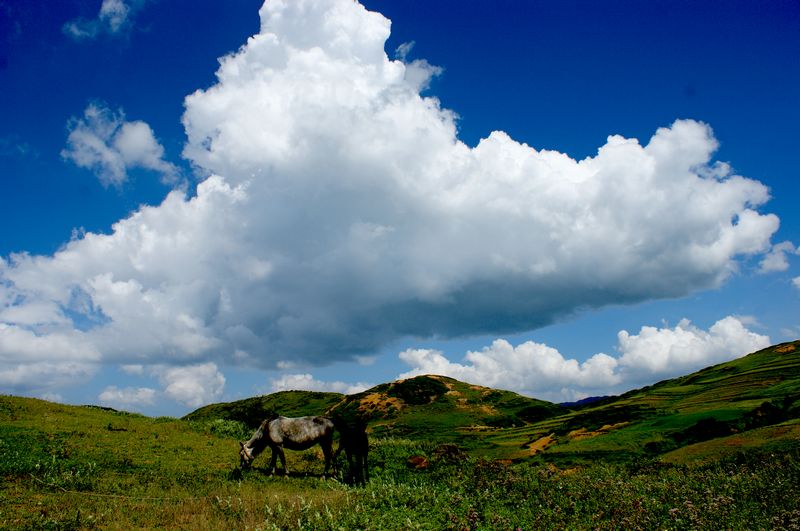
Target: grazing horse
353,440
298,433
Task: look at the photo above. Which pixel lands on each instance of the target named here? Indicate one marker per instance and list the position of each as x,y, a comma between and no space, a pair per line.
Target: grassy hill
442,409
434,408
750,401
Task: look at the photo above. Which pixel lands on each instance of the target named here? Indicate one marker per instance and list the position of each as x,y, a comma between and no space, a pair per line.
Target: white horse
298,433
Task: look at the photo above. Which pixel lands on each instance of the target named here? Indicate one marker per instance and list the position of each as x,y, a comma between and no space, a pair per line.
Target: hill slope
443,409
735,400
251,411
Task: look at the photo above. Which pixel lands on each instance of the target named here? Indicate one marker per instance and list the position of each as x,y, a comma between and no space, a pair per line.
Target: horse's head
245,455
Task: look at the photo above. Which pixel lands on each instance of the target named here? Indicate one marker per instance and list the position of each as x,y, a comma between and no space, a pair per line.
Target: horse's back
299,433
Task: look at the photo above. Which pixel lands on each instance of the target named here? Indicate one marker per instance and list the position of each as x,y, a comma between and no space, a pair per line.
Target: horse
298,433
353,440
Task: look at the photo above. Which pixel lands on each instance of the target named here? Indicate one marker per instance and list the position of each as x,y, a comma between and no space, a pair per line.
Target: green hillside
719,408
443,409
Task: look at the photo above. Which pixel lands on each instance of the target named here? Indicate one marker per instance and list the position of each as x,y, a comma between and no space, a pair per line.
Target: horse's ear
241,445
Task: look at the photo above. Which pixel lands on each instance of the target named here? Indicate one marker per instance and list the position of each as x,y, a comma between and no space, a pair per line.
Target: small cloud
792,332
133,369
128,397
306,382
796,282
192,385
52,397
776,259
114,18
104,142
12,146
402,51
419,72
366,361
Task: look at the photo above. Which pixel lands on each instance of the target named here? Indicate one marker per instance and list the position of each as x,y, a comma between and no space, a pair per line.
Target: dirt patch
488,410
542,444
583,433
377,402
783,349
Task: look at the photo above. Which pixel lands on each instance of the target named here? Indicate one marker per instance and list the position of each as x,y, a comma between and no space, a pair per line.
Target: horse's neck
257,442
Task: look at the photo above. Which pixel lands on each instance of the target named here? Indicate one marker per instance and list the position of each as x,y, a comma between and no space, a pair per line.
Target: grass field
69,467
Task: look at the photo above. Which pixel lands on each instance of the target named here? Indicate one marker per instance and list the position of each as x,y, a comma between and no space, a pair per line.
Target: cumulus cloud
127,397
796,282
541,371
114,18
531,368
341,212
193,385
664,352
104,142
776,259
306,382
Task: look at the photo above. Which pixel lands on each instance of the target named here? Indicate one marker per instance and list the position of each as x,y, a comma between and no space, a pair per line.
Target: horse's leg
273,460
283,461
362,458
335,458
352,472
358,470
327,451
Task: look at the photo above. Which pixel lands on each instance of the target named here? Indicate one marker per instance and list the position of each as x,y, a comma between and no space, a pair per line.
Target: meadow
67,467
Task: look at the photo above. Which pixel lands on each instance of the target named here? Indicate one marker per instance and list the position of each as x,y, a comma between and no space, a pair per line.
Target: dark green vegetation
252,411
716,449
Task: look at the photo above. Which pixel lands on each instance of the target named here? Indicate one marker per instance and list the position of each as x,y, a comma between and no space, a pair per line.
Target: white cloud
342,212
530,368
52,397
38,377
193,385
306,382
114,18
796,282
403,50
671,352
776,259
128,397
108,145
541,371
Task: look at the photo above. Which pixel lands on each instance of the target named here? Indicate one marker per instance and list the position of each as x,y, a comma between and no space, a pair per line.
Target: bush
229,429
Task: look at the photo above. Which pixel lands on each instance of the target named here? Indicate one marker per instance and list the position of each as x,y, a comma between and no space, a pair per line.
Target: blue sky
560,198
